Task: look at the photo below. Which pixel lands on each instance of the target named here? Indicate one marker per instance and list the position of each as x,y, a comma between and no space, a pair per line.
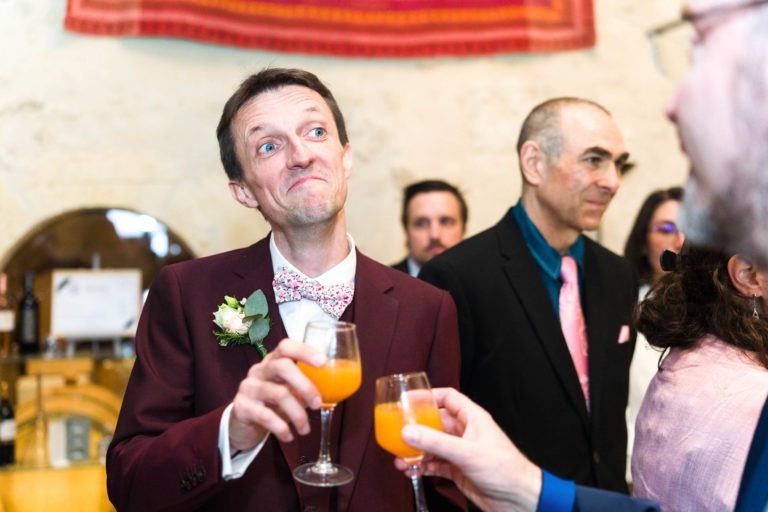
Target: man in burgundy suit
206,427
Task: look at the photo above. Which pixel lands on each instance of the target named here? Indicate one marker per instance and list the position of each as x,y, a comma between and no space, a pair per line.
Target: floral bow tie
333,299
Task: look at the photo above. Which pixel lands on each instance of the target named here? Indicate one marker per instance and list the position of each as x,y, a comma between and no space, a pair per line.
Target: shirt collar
413,267
546,256
342,273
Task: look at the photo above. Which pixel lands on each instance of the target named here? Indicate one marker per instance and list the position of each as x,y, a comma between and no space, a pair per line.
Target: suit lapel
255,270
525,277
600,316
375,313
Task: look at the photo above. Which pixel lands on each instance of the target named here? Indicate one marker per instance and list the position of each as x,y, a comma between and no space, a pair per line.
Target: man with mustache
434,218
558,392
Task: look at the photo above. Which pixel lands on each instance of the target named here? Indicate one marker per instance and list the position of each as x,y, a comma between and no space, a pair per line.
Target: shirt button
596,457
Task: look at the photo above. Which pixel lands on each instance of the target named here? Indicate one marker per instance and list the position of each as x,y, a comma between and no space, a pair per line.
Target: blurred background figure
696,422
655,230
434,218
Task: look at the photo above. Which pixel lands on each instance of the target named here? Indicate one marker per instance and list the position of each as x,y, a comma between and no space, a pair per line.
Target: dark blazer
164,455
753,492
515,361
402,266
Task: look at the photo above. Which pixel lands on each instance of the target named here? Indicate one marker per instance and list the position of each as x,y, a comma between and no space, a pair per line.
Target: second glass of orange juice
402,399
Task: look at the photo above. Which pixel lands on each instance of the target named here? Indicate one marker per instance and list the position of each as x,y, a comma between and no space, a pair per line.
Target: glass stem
324,458
418,488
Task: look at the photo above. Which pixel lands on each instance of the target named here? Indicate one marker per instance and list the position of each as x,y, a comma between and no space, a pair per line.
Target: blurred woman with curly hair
696,422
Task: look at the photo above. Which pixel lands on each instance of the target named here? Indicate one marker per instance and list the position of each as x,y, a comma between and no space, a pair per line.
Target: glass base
323,475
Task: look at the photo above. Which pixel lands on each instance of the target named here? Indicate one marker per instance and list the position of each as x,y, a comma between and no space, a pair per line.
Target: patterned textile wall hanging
352,28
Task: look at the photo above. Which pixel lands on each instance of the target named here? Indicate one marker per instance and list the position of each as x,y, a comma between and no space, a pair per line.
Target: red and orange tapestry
355,28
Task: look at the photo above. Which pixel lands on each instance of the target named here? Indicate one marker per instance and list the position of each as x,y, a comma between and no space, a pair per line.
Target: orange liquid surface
390,419
337,380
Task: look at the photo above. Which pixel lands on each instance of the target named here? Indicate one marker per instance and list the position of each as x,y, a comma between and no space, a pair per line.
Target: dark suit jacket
402,266
515,361
753,493
164,455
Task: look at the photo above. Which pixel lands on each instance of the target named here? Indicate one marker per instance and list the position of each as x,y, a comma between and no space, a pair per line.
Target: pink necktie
333,299
572,322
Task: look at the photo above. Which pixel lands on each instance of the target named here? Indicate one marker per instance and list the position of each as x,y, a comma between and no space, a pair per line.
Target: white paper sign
95,303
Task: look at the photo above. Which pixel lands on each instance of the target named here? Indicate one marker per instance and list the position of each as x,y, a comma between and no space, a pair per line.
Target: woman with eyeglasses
699,413
655,230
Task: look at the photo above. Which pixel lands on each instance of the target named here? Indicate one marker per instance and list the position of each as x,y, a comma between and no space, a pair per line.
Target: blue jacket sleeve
558,495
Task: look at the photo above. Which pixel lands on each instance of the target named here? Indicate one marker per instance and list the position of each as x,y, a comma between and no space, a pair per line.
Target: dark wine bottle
28,328
7,428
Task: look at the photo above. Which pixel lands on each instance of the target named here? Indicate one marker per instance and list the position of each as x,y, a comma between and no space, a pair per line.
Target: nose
299,155
610,180
434,230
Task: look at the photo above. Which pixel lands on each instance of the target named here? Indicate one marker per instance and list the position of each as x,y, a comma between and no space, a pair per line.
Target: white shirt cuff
234,467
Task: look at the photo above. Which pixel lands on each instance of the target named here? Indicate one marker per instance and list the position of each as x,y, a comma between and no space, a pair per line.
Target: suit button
596,457
303,459
185,485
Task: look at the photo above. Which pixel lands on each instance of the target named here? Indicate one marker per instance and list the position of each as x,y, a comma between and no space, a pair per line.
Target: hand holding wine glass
404,399
337,380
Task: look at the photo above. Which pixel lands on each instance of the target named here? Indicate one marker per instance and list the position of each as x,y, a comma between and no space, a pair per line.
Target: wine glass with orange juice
402,399
336,380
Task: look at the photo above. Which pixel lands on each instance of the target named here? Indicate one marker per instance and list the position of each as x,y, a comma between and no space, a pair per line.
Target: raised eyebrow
604,153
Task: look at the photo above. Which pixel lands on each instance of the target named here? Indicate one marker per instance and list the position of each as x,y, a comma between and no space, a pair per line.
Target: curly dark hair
697,299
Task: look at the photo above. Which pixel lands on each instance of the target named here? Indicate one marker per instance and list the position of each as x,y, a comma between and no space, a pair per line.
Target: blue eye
317,132
267,147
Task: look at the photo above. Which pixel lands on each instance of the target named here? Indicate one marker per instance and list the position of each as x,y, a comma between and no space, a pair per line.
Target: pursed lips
303,179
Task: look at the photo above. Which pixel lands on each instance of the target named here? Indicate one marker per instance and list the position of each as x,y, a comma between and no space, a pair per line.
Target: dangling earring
755,314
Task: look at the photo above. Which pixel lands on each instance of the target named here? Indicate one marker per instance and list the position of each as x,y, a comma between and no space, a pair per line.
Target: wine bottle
7,318
28,331
7,428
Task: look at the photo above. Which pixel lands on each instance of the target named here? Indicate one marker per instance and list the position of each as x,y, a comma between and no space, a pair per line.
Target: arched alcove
95,237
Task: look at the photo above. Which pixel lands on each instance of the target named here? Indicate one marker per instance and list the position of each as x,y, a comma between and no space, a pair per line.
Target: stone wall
129,122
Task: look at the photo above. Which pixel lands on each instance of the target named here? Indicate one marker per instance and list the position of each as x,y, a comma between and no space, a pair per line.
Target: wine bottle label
28,325
7,430
7,321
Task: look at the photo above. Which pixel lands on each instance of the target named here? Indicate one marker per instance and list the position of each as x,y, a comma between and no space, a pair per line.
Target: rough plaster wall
88,121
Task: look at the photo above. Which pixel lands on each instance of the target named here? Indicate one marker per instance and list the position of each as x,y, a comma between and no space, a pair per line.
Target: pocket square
623,334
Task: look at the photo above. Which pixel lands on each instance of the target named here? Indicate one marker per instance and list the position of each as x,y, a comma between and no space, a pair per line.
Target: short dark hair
268,79
422,187
635,250
542,124
697,299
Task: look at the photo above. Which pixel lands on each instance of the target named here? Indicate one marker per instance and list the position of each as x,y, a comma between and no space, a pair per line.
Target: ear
744,276
347,160
532,162
242,194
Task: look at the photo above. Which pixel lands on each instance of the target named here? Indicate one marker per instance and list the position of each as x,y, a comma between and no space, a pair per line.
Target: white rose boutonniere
243,322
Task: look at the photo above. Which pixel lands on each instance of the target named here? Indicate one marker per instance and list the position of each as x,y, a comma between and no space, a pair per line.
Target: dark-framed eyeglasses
666,228
673,43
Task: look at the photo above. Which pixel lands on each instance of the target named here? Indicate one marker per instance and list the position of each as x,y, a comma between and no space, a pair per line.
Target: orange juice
391,417
336,380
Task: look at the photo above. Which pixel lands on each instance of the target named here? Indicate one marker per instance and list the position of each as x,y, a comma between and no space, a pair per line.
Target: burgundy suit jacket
165,456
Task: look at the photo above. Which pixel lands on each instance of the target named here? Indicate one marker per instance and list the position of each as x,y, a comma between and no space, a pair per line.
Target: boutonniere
243,322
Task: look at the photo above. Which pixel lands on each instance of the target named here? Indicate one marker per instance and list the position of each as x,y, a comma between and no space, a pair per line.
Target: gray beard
730,221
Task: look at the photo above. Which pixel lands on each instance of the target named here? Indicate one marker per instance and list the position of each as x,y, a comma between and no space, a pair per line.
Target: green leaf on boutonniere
243,322
256,309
